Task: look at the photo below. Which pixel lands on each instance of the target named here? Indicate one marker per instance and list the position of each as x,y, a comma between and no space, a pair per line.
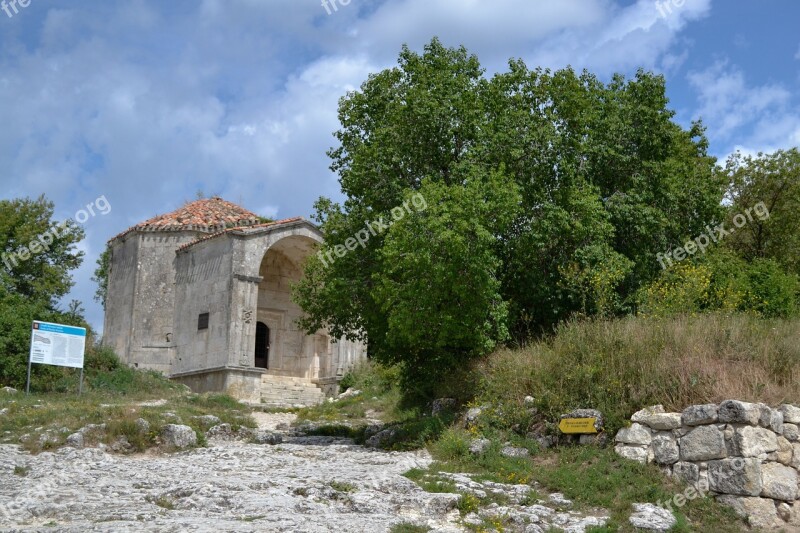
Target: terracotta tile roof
206,215
240,229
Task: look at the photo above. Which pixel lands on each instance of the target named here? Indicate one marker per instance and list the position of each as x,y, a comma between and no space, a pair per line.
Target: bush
721,281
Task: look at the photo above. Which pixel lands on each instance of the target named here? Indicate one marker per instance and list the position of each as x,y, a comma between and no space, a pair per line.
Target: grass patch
21,471
407,527
600,478
43,421
342,486
620,366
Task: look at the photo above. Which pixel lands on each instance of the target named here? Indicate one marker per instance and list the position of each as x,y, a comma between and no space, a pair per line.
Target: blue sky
147,102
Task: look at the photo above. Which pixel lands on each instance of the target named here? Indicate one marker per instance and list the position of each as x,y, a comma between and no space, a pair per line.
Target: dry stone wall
745,454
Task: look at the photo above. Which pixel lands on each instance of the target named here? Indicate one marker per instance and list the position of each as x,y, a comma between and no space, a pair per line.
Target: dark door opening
262,345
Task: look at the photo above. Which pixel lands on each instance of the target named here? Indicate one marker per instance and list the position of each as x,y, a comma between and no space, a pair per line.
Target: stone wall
746,455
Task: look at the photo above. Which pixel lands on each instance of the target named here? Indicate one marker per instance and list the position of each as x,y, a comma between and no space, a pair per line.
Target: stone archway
291,352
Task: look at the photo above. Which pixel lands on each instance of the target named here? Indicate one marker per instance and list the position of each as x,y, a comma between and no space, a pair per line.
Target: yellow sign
577,425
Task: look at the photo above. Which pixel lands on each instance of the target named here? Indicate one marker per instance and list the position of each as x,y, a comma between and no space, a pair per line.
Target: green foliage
548,195
722,281
452,444
101,276
30,288
44,276
772,180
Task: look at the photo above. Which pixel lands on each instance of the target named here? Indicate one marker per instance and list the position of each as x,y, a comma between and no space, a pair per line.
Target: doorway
262,345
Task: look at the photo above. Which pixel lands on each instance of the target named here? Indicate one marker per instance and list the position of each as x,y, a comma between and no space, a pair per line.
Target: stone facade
203,295
746,455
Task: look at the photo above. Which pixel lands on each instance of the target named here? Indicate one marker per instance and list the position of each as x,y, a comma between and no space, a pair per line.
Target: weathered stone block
759,512
696,415
665,449
791,414
741,477
754,441
634,453
688,472
178,436
778,482
776,422
785,451
736,412
655,417
636,434
791,432
702,443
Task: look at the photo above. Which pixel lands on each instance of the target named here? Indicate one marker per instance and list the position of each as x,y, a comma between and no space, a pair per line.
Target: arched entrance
262,345
292,352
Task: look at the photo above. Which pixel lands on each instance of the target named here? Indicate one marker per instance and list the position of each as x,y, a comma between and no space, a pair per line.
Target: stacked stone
745,454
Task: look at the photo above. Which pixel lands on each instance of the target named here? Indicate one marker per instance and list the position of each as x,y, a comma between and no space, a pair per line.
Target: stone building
202,295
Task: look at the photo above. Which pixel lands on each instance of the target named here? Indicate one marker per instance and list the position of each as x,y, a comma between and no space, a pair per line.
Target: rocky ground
303,484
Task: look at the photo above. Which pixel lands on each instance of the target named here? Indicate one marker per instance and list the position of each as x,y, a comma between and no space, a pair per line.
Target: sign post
58,345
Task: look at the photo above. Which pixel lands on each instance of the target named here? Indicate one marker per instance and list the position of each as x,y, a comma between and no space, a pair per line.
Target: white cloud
148,102
761,118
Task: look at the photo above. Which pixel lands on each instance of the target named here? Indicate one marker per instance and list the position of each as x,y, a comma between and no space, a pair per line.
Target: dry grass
622,365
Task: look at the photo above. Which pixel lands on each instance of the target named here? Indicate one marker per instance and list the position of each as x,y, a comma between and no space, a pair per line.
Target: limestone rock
513,451
267,437
753,441
696,415
655,418
785,511
384,439
741,477
776,421
791,414
703,443
478,446
791,432
778,482
633,453
75,440
785,451
759,512
472,415
688,472
9,390
795,456
142,425
178,436
665,449
442,405
736,412
651,517
349,393
636,434
121,445
207,420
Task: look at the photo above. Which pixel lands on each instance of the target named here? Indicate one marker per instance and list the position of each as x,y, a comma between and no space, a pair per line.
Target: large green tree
592,180
38,255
